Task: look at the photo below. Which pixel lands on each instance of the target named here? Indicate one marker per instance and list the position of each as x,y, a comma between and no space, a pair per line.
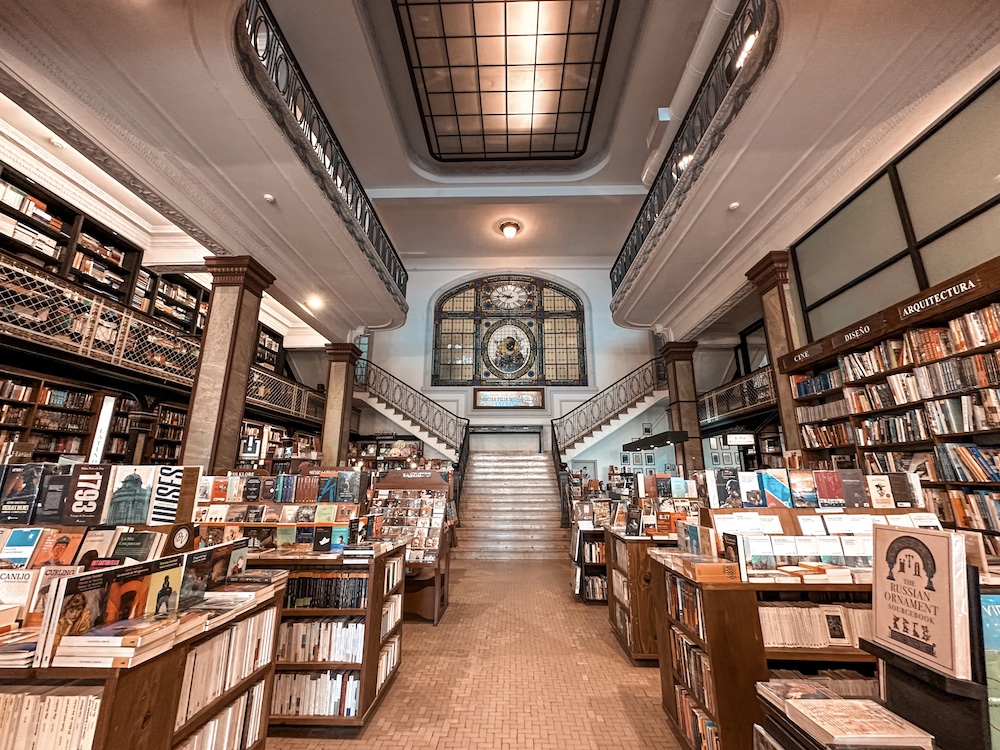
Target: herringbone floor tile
517,662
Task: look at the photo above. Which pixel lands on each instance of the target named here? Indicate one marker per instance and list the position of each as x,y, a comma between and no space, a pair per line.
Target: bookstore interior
262,406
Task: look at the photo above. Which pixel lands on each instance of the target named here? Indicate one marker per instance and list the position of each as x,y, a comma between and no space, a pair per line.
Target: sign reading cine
523,398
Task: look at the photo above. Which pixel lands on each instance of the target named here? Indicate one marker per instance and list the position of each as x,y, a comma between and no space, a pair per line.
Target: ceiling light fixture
510,229
268,198
314,302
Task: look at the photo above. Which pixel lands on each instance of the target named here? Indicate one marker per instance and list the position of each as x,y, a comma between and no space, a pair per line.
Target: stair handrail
618,397
443,424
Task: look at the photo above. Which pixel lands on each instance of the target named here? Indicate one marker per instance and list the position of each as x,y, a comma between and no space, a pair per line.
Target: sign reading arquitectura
921,599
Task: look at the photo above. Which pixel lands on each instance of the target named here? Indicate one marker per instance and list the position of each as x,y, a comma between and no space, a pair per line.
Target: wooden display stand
587,569
735,647
139,705
630,594
315,565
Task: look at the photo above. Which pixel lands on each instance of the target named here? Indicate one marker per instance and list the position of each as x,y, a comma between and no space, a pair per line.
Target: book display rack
913,388
337,591
590,557
168,433
382,454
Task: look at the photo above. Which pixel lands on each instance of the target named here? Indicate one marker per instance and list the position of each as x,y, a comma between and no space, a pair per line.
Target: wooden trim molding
769,271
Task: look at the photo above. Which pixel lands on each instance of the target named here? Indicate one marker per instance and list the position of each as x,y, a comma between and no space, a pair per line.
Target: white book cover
921,598
880,491
855,722
807,548
812,525
166,495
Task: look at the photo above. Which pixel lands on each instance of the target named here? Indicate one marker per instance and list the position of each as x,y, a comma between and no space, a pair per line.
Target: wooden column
339,400
770,278
140,427
228,347
679,359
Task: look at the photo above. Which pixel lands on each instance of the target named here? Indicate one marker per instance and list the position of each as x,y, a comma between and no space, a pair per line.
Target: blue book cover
774,487
20,546
990,605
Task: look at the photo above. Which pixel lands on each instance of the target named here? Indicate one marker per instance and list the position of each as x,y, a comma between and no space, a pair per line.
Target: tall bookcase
139,706
591,558
378,668
168,433
913,388
270,349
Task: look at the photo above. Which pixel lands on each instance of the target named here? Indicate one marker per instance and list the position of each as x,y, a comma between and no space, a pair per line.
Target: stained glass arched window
509,330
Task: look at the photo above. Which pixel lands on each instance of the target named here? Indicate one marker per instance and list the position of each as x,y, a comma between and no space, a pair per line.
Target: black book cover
267,489
255,513
322,539
21,487
251,490
87,491
902,490
663,488
855,492
134,544
304,534
347,486
633,521
353,530
50,507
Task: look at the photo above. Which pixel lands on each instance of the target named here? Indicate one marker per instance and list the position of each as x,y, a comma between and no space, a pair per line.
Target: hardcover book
22,485
803,488
855,490
774,483
829,490
921,598
130,495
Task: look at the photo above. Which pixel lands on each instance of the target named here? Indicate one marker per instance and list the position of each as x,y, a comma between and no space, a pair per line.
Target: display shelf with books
270,350
176,300
329,685
392,453
591,566
168,433
920,381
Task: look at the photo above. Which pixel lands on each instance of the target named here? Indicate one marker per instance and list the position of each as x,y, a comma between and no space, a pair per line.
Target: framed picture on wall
650,459
714,443
716,461
625,459
637,459
647,428
727,459
650,472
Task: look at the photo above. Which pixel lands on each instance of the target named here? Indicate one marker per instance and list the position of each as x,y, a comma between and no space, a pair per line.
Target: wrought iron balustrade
755,391
278,394
609,403
445,425
733,55
38,306
274,54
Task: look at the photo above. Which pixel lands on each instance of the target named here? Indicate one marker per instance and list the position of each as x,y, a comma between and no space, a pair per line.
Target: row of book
314,487
966,462
695,724
684,603
811,385
220,663
890,354
805,488
844,682
340,639
595,588
14,391
28,205
93,494
392,613
920,463
338,514
821,412
30,236
108,252
45,717
819,436
593,552
66,399
977,509
800,559
908,427
693,666
973,413
329,693
46,419
388,660
97,270
328,591
13,415
237,727
812,625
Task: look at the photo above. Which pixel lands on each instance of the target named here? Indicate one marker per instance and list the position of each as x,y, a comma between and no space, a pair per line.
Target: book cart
426,587
631,608
860,404
139,706
382,645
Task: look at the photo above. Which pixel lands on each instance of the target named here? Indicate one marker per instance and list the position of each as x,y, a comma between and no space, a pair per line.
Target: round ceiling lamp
510,229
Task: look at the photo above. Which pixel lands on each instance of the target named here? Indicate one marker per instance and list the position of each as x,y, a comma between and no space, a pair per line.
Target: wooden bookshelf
631,609
168,434
270,353
722,621
379,590
950,368
139,705
594,569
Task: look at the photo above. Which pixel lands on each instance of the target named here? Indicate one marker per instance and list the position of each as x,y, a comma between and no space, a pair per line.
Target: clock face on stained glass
509,296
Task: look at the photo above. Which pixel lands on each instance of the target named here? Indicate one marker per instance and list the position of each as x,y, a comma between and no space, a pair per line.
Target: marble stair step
507,555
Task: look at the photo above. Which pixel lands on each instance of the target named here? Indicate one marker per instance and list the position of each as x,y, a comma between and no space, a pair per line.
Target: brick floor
517,662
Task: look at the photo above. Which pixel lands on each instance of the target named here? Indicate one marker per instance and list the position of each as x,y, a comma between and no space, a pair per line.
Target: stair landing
510,509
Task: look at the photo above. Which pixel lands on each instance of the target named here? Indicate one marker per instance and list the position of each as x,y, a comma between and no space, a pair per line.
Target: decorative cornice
769,271
678,351
241,271
348,353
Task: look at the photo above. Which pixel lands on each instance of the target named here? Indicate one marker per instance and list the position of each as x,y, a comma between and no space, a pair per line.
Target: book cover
727,488
50,508
17,587
679,487
236,513
323,539
774,483
272,514
348,483
347,511
260,537
921,598
829,490
633,521
165,579
326,513
901,490
20,546
306,488
852,482
88,490
750,489
136,545
288,514
803,488
128,592
22,485
203,492
306,514
327,487
251,490
831,551
267,489
663,487
338,538
255,513
880,491
779,691
130,495
220,490
47,576
59,548
166,495
96,544
858,722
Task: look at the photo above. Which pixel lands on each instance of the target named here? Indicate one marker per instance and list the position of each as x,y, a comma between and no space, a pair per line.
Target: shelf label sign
968,285
872,326
101,433
738,438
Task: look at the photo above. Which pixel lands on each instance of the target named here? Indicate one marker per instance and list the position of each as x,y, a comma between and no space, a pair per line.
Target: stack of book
846,683
811,625
329,693
340,639
44,717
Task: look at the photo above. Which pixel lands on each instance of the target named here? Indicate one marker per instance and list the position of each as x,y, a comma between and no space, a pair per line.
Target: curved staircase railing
443,424
617,398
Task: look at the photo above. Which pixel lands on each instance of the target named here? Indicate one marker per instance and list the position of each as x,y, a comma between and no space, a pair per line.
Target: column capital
769,271
239,270
678,351
348,353
142,420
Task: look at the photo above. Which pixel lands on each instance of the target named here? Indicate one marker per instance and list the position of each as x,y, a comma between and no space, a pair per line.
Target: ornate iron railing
277,394
279,63
619,397
445,425
38,306
755,391
742,36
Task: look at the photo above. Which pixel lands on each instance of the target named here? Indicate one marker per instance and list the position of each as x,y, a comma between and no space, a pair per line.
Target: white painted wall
612,351
607,452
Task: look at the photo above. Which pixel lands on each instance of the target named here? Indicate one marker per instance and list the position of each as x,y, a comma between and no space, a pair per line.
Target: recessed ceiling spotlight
734,205
510,229
314,302
57,142
268,197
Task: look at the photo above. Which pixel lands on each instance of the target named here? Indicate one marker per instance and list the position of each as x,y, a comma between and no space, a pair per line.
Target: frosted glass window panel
553,301
974,242
864,233
887,287
464,302
956,169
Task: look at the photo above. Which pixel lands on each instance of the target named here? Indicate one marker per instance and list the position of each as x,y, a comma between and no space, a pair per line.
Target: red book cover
829,489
